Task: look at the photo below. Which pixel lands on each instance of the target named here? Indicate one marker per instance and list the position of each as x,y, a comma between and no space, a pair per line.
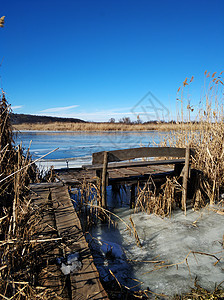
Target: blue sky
97,59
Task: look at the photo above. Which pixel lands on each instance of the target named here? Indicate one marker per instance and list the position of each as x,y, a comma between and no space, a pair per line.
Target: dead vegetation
21,256
208,139
208,143
92,126
160,202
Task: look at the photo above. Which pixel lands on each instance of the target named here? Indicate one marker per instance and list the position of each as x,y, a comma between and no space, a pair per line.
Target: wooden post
132,200
185,179
104,180
178,168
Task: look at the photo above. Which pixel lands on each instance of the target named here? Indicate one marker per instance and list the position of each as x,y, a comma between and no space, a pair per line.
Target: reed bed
207,140
158,200
20,253
87,202
91,126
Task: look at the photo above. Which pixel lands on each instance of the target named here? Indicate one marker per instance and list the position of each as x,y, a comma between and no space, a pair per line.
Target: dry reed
20,251
205,134
161,201
208,139
91,126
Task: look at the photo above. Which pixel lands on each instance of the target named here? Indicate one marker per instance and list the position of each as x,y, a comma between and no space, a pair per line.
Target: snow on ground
70,264
170,240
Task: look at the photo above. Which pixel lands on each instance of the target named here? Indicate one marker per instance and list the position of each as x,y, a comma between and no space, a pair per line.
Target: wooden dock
61,225
132,166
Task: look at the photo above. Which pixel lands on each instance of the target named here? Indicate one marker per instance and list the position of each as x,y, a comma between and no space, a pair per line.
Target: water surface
77,147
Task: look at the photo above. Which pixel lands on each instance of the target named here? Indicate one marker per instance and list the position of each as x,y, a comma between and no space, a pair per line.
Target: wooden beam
132,200
127,154
117,165
104,180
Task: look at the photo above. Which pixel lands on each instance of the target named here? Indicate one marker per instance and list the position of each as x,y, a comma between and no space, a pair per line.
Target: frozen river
77,147
189,245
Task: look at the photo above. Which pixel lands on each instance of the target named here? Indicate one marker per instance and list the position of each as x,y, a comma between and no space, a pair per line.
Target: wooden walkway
132,166
120,171
61,224
129,175
59,232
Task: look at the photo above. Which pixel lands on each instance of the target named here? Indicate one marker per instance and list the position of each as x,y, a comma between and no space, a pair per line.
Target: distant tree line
127,120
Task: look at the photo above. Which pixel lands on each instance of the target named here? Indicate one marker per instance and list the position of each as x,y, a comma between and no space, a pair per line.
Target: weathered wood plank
125,172
85,283
127,154
116,165
50,275
61,220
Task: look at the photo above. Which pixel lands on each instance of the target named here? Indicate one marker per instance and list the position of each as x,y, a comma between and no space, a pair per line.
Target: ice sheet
172,240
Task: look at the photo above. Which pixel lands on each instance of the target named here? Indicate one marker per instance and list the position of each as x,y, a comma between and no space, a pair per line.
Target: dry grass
160,202
100,127
208,139
20,255
88,204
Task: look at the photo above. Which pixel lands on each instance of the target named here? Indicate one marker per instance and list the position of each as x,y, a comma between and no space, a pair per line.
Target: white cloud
97,115
58,109
103,115
16,107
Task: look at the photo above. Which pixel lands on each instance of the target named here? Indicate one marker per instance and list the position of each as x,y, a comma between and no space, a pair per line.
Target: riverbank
92,126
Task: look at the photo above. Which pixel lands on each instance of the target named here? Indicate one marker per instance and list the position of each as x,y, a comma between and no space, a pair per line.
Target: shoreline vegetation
22,261
62,126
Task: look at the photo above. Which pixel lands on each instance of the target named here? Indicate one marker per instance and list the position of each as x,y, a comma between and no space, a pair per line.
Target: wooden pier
130,166
61,224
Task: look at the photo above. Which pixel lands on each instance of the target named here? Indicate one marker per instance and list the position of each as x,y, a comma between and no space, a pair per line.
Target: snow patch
70,264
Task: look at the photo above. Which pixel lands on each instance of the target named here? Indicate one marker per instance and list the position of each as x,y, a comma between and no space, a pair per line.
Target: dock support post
185,179
104,180
132,200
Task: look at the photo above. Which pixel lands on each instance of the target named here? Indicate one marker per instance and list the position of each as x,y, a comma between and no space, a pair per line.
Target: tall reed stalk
208,137
19,258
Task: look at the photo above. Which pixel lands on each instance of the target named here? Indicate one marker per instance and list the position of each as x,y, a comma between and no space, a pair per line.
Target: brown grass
207,138
20,256
56,126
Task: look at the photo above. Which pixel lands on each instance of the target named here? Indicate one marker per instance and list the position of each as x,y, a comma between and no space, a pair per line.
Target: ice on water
170,240
113,249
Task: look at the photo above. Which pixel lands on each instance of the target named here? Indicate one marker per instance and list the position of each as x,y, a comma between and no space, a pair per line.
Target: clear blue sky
97,59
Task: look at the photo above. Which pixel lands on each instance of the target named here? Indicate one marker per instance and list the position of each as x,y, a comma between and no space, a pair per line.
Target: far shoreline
102,127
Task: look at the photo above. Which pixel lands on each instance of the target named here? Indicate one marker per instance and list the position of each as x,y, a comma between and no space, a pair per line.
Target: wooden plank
61,220
121,173
129,171
85,283
113,174
50,275
159,169
116,165
127,154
